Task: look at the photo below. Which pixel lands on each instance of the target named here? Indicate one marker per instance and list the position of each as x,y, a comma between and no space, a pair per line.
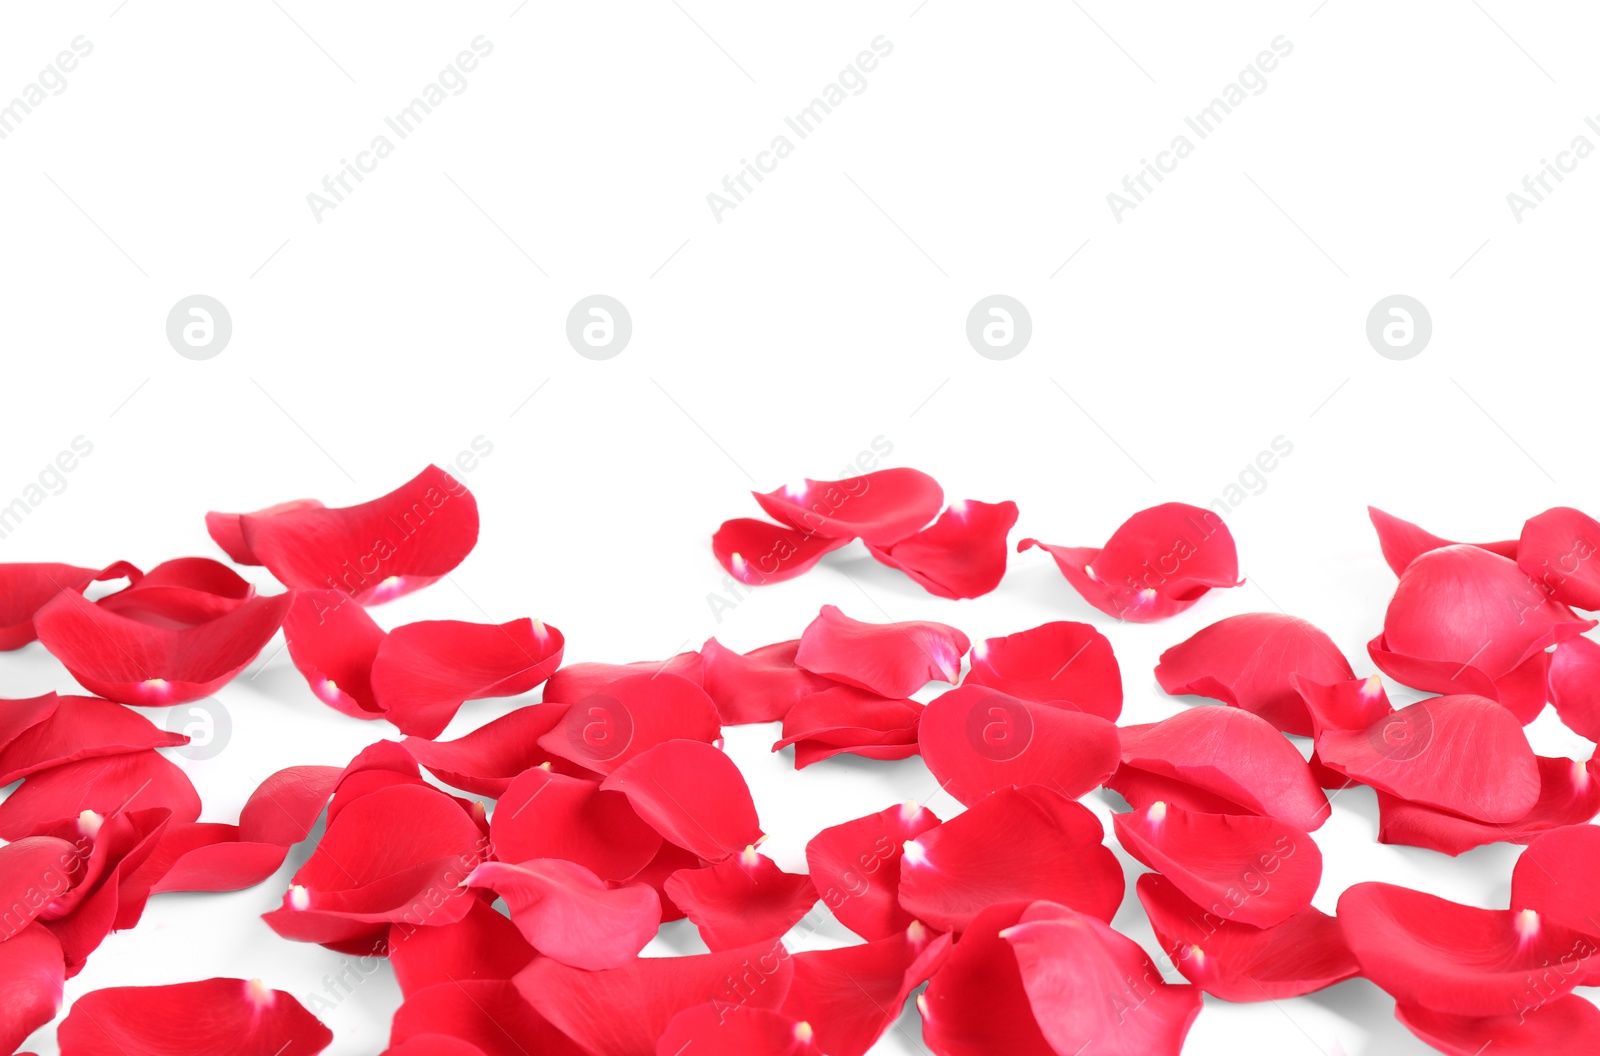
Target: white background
428,309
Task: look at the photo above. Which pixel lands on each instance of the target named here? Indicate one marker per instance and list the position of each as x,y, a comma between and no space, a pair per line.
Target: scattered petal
1402,542
961,555
852,995
758,686
843,719
880,508
423,672
26,588
488,759
483,945
1556,552
490,1016
574,819
742,900
714,1029
1569,794
333,642
568,913
1567,1026
693,795
106,785
81,728
633,714
239,1019
856,867
890,659
758,552
1062,661
32,975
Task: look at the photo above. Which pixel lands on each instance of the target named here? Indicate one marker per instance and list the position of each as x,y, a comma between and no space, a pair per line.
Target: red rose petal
1060,661
1464,754
1567,1026
1569,794
32,871
757,552
376,551
333,642
1459,959
489,1015
624,1011
693,795
635,713
1238,962
568,913
577,681
1247,661
669,859
1093,988
216,1017
890,659
483,945
961,555
844,719
26,588
1158,563
1254,870
81,728
435,1045
19,716
1556,877
104,898
853,994
713,1029
31,979
742,900
1574,685
1402,542
550,815
1019,844
879,508
423,672
758,686
976,1005
856,868
226,532
183,592
136,663
105,785
488,759
976,741
1557,550
1226,754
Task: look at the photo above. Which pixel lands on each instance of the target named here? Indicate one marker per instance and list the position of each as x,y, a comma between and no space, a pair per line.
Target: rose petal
1567,1026
1556,877
1238,962
1403,542
490,1015
19,716
333,642
1556,551
758,686
33,870
1427,951
1247,661
1061,661
669,859
890,659
106,785
237,1018
712,1029
975,1004
31,979
1574,684
853,994
1569,794
757,552
483,945
635,713
976,741
577,681
693,795
961,555
81,728
846,719
26,588
488,759
183,592
856,868
742,899
574,819
423,672
879,508
376,551
104,897
226,532
568,913
1158,563
1258,871
1019,844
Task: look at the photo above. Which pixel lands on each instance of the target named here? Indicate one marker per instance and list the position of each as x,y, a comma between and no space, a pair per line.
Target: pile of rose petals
616,809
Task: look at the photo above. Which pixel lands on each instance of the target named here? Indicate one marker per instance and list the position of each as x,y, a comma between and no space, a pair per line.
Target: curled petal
975,1004
1158,563
1556,878
693,795
1567,1026
226,532
976,741
853,994
548,815
1463,754
961,555
488,1015
758,686
239,1018
1403,542
1428,951
376,551
1061,661
1247,661
81,728
488,759
1254,870
1557,551
1569,794
1093,988
1239,962
333,642
568,913
879,508
40,866
26,588
741,900
1574,683
758,552
32,975
715,1030
846,719
483,945
184,592
890,659
1017,845
136,663
856,868
636,712
1228,756
106,785
423,672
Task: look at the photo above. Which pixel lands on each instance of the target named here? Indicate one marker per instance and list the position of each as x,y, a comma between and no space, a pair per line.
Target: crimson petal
488,759
423,672
636,712
856,866
1569,794
482,945
742,899
976,741
333,642
890,659
961,555
376,551
975,1004
33,870
26,588
81,728
1567,1026
1019,844
490,1016
577,681
216,1017
758,686
712,1029
844,719
19,716
574,820
1239,962
226,532
1061,661
1556,549
568,913
853,994
31,978
879,508
183,592
105,785
693,795
1574,684
1556,877
1157,564
1403,542
758,552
